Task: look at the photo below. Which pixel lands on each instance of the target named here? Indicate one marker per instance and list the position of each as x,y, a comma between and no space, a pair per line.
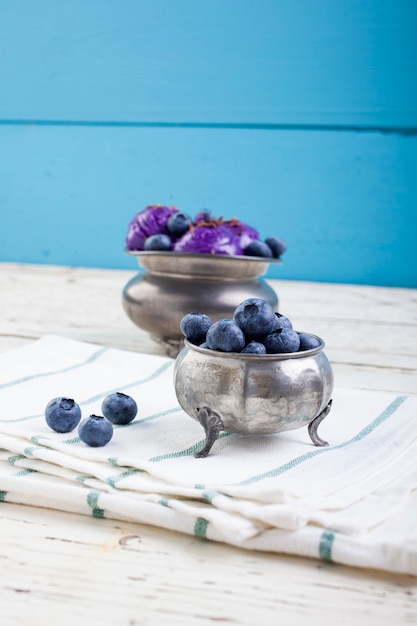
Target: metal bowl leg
315,423
212,424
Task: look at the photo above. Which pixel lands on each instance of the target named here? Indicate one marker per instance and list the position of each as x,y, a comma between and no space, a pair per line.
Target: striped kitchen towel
354,502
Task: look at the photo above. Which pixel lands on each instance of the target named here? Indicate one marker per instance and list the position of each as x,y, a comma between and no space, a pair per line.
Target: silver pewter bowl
172,284
254,394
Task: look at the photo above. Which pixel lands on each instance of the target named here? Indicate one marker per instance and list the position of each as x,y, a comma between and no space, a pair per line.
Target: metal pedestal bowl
254,394
174,284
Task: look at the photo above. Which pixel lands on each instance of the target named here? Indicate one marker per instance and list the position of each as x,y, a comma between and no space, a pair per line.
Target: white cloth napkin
354,502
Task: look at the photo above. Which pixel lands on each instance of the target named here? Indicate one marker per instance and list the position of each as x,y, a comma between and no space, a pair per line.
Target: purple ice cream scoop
150,221
216,237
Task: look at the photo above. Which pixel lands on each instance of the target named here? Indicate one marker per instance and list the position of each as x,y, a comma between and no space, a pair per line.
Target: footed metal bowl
254,394
173,284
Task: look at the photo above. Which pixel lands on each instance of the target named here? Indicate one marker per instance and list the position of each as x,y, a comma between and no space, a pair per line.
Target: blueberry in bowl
268,383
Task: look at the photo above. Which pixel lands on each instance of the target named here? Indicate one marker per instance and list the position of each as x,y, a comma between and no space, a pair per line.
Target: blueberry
225,336
282,321
308,342
254,347
158,242
194,327
205,216
258,248
119,408
178,224
62,415
95,431
282,340
255,317
278,246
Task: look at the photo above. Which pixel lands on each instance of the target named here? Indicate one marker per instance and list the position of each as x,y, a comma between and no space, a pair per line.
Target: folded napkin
354,502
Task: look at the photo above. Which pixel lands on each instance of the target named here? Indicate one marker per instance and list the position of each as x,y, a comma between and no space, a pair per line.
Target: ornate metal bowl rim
214,266
282,356
205,255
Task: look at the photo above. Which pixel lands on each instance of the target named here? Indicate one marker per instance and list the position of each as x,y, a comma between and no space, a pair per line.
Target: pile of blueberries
255,328
64,414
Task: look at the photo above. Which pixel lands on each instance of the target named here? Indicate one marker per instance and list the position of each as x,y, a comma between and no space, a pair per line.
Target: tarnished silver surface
254,394
210,265
174,284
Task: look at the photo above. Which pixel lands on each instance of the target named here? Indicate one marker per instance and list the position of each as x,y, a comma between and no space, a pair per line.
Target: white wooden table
67,569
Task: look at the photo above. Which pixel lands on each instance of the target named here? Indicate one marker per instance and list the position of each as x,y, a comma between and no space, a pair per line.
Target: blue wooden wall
297,116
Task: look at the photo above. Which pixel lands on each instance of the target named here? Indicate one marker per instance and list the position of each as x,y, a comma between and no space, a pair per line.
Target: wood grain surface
297,117
343,202
67,568
348,63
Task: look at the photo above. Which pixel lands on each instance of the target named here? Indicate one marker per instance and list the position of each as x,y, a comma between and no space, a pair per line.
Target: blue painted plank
344,202
285,62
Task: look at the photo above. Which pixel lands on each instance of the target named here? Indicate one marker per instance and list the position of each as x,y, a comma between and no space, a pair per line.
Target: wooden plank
224,62
66,568
370,337
344,202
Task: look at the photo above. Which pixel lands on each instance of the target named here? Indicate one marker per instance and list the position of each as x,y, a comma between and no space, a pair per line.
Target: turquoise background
297,116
